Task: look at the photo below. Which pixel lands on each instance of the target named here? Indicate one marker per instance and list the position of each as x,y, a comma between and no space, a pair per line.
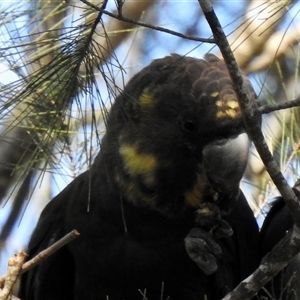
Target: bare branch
44,254
143,24
271,264
50,250
278,106
13,271
249,287
251,114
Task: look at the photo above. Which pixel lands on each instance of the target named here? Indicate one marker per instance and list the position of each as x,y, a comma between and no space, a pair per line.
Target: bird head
177,137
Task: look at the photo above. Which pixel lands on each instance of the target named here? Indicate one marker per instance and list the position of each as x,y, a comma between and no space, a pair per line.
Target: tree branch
266,271
43,255
278,106
120,17
251,114
14,266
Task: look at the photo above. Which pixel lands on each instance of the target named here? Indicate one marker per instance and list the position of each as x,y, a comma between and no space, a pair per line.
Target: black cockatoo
160,212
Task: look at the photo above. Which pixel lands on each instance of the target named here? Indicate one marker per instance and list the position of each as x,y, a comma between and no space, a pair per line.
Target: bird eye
189,125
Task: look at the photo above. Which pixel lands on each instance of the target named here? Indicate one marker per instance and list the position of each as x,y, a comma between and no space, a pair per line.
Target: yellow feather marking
221,114
219,103
146,100
137,162
232,113
233,104
214,94
227,109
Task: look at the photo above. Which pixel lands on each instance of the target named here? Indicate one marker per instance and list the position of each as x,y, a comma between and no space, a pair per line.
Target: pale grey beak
225,161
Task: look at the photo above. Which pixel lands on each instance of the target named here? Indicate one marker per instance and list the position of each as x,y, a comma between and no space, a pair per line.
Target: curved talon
208,218
222,230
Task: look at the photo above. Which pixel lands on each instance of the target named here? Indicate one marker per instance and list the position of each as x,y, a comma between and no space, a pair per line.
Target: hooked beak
225,161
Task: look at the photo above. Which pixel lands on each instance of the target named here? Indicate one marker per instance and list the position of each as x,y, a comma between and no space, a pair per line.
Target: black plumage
162,195
277,224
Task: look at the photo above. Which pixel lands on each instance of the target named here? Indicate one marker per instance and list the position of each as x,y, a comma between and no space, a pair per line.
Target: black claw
215,225
223,230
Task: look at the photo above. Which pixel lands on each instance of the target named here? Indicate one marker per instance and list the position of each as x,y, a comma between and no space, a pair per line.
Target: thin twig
14,266
45,253
50,250
278,106
120,17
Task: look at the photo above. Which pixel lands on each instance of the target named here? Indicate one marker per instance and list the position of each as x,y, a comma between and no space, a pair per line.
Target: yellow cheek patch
137,162
146,100
227,109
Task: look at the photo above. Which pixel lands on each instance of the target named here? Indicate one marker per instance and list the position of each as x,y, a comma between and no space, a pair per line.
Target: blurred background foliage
62,64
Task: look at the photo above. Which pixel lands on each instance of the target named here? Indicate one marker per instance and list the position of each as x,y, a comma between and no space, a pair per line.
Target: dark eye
189,125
